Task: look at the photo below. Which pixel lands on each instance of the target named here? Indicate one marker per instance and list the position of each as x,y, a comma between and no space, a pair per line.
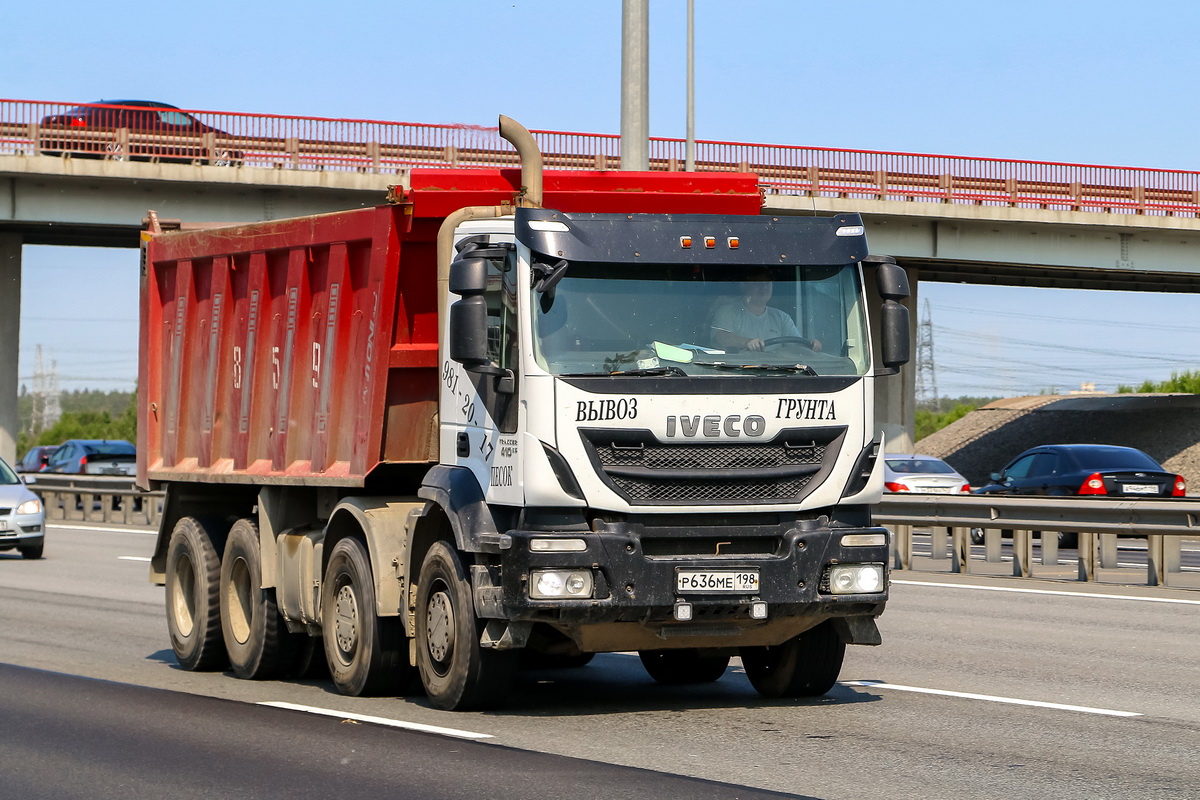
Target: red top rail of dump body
304,350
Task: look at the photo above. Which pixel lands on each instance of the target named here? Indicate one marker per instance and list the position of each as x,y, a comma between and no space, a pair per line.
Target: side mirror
894,334
468,276
995,476
468,332
890,277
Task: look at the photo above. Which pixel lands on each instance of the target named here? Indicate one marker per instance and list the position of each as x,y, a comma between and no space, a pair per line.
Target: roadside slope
1167,427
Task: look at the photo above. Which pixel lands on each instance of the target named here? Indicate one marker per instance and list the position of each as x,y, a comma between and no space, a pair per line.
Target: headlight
550,584
33,506
856,579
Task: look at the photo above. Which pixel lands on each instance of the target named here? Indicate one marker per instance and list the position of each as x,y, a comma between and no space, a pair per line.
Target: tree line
86,414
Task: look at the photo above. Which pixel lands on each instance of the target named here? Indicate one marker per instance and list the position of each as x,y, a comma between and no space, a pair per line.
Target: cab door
481,409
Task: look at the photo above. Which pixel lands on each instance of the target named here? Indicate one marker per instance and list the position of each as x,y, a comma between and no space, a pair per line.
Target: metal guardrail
316,143
1098,524
95,498
949,519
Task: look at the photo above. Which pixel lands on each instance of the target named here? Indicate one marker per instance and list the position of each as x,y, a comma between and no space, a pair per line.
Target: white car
22,518
923,474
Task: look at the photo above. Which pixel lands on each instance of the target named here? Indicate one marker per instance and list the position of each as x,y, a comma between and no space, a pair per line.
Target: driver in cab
748,323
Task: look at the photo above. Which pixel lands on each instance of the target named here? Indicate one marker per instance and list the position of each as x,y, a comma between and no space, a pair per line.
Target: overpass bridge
946,218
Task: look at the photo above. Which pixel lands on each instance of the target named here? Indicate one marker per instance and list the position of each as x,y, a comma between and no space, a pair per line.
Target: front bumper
22,530
635,586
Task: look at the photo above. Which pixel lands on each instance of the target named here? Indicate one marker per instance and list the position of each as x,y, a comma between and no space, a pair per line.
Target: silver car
924,474
22,518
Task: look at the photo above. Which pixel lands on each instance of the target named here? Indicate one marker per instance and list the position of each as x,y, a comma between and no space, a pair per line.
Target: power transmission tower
38,396
47,405
52,410
927,391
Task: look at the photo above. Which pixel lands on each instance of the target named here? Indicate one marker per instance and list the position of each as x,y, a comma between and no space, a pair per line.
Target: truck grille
644,470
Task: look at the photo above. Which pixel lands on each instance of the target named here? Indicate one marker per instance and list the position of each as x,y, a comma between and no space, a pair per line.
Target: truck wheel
366,653
457,673
805,666
674,667
193,598
256,636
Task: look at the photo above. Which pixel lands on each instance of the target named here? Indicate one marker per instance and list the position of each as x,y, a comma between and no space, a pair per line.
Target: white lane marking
393,723
992,698
101,530
133,558
1050,591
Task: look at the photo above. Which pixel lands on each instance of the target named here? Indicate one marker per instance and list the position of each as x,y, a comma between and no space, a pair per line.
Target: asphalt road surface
983,688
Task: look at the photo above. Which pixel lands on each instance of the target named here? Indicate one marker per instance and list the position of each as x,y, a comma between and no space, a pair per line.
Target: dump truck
507,419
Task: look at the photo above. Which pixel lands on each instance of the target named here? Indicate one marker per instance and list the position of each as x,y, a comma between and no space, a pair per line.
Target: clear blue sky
1087,82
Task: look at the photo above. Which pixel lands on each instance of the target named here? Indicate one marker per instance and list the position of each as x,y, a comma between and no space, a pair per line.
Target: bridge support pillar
10,334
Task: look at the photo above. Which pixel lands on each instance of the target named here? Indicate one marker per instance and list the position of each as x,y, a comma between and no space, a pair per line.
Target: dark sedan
1095,470
35,458
1085,469
94,457
138,130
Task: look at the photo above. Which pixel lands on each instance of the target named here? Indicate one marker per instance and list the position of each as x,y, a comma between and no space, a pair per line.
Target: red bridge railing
316,143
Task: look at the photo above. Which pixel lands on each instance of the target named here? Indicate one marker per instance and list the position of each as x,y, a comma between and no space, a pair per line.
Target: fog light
758,610
856,579
548,584
683,612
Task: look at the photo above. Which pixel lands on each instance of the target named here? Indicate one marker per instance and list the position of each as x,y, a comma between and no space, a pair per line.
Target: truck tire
805,666
193,597
367,654
676,667
256,636
457,673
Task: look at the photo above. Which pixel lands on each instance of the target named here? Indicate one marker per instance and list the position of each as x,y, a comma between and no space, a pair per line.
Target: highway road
983,688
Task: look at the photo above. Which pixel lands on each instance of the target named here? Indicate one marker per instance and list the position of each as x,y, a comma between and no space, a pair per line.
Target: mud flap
857,630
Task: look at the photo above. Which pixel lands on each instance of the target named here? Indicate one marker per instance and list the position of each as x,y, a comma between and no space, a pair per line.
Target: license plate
1140,488
934,490
717,581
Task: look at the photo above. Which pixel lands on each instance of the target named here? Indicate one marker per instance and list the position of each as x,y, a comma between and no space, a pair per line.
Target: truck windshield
746,321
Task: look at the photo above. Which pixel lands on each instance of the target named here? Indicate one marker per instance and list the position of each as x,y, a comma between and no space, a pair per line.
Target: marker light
547,584
548,225
758,610
683,612
557,545
864,539
1093,484
734,242
710,242
685,242
850,230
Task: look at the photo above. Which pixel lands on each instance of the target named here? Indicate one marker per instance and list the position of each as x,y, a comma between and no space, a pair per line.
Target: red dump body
305,350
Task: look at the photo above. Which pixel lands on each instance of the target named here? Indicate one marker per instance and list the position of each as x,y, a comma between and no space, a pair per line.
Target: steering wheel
800,340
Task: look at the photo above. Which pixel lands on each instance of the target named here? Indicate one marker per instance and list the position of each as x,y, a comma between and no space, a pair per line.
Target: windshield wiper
805,368
636,373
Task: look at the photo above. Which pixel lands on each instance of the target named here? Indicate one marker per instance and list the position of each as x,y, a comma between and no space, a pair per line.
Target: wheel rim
439,627
183,596
238,601
346,624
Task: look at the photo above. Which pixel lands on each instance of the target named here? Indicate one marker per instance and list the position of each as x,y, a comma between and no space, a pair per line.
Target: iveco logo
714,425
